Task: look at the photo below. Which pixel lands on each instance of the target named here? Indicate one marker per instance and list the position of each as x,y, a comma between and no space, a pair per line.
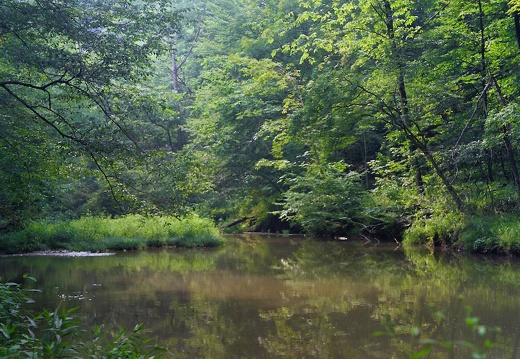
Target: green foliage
394,194
55,334
515,6
502,123
100,234
30,172
326,201
25,335
125,345
439,228
240,94
492,234
482,338
75,104
13,322
498,233
118,107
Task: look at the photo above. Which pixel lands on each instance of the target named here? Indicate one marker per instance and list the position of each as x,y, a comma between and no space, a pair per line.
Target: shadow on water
284,297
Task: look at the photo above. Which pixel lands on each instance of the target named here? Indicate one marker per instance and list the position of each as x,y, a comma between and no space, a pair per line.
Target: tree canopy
324,116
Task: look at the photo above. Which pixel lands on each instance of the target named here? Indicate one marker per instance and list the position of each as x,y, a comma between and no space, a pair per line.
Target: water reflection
270,297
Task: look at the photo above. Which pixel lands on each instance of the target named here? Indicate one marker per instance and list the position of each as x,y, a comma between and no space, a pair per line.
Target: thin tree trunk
175,81
401,88
490,165
419,183
483,65
365,158
451,190
175,67
511,158
507,142
517,28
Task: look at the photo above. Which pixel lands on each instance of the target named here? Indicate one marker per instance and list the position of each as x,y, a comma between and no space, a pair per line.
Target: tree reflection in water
272,297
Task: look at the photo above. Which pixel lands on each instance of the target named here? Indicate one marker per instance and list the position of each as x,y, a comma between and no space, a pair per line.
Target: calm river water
287,297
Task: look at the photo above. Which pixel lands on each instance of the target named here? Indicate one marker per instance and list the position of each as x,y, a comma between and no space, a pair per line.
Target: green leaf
421,353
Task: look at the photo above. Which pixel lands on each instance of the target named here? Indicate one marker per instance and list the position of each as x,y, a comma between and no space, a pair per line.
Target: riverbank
497,234
99,234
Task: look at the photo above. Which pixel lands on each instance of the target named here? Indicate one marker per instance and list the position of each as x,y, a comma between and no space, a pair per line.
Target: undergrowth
496,234
499,233
435,230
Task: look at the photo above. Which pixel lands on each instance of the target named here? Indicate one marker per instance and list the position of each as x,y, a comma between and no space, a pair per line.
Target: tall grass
442,229
471,233
101,234
496,234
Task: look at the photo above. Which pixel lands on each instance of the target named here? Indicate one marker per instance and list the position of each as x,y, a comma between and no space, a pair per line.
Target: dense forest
384,118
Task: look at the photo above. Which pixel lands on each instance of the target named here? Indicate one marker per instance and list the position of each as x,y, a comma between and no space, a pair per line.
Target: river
289,297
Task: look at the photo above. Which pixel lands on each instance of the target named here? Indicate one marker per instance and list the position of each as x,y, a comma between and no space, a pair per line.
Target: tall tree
67,70
380,44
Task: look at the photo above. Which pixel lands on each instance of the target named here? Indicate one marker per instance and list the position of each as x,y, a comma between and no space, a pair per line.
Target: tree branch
41,116
108,181
197,34
489,84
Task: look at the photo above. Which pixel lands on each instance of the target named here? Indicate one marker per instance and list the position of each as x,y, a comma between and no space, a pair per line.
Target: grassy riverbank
472,233
96,234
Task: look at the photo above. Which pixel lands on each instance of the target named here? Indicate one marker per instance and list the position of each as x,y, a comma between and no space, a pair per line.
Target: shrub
326,200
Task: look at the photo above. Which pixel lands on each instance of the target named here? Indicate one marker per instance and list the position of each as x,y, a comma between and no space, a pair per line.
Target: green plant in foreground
124,346
482,339
56,334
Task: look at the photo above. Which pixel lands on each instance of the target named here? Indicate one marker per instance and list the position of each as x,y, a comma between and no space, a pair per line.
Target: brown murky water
281,297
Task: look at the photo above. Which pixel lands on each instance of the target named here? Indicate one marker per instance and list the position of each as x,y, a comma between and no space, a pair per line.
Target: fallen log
237,221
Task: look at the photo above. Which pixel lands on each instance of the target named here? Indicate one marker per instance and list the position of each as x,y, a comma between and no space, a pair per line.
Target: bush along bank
96,234
496,234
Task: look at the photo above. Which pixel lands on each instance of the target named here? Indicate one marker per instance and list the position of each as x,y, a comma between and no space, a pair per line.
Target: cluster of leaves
56,334
325,201
80,127
419,93
483,338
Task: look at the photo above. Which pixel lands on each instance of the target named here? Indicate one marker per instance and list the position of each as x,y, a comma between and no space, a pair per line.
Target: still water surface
286,297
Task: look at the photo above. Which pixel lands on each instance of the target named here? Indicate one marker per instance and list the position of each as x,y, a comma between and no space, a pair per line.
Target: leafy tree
71,76
488,55
239,95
